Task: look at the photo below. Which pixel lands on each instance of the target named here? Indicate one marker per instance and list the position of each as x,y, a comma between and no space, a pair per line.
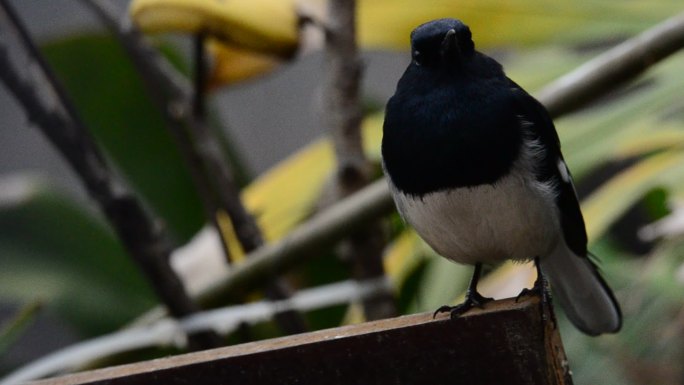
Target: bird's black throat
444,131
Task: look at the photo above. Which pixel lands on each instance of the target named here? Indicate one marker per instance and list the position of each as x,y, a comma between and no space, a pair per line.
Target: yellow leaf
653,140
354,315
268,26
229,237
387,24
606,204
287,193
403,257
372,135
232,64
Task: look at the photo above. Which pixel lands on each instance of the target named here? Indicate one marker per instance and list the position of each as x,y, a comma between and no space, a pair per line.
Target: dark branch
342,100
169,90
35,55
198,107
199,112
344,114
142,236
198,143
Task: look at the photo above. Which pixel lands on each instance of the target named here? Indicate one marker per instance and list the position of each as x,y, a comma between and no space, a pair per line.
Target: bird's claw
533,292
540,289
473,299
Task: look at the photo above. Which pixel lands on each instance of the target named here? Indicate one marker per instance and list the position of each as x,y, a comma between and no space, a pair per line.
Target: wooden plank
504,343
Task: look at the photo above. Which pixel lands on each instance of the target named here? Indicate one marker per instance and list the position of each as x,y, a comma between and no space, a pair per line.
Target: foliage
128,126
56,252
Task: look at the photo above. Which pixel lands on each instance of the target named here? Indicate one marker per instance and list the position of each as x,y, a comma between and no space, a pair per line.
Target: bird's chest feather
514,218
449,137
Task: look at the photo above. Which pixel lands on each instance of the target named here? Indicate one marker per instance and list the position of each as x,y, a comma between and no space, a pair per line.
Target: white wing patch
563,169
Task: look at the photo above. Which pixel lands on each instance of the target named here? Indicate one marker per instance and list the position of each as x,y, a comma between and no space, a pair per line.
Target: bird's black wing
553,168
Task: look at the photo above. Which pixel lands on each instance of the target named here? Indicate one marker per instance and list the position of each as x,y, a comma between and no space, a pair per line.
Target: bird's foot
473,299
535,291
541,290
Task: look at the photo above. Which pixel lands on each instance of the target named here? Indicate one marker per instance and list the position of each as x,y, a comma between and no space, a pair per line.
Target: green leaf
655,203
109,95
54,251
442,283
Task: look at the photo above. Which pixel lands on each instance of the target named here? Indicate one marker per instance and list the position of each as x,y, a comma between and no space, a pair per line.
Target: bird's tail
579,288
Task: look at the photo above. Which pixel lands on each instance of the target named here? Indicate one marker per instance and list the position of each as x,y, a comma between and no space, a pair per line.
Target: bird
474,165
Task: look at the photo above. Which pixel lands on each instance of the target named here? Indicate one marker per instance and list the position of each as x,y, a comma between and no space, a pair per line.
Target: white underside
515,218
485,224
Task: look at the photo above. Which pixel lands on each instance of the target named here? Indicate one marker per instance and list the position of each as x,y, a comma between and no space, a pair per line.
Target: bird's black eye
417,57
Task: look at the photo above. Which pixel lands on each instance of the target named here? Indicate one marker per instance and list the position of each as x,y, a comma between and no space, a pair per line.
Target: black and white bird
474,165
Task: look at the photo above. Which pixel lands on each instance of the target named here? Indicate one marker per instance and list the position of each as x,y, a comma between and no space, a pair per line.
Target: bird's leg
472,297
540,289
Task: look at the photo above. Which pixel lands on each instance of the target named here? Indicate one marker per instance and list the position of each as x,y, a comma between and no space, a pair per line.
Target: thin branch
614,67
35,55
343,110
57,118
195,139
199,112
198,143
341,94
305,242
199,106
171,333
172,93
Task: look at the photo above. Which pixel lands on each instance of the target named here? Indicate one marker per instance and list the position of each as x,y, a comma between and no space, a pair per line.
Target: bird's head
441,42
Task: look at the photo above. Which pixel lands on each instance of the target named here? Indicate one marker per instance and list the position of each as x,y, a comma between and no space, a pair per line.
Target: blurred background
65,277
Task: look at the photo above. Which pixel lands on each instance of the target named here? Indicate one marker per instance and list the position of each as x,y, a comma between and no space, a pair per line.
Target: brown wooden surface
505,343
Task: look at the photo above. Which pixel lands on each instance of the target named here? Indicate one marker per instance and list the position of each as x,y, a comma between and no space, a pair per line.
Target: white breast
515,218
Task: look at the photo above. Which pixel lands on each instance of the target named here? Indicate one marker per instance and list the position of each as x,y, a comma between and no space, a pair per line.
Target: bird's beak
450,47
